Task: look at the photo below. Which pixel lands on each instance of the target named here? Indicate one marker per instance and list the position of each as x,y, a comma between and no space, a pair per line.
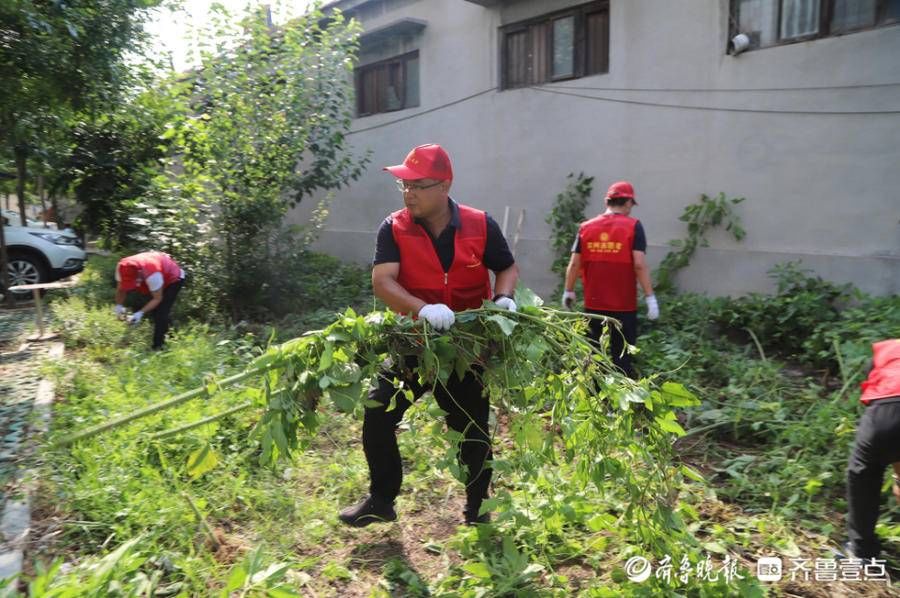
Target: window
772,22
562,45
388,85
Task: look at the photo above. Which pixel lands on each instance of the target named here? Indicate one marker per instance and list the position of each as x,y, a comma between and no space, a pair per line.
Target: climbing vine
565,216
700,217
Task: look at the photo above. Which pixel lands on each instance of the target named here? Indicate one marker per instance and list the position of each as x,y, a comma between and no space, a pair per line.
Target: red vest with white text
466,284
145,264
884,379
607,264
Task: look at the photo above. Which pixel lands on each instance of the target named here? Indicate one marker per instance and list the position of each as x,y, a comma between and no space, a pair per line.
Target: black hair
617,202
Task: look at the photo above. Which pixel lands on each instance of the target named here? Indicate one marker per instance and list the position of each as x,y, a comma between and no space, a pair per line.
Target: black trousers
621,358
162,315
876,447
467,412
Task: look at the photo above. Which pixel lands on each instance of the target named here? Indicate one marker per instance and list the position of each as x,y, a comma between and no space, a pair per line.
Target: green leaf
479,570
669,424
201,461
327,357
690,473
345,398
679,396
506,325
716,547
236,579
525,297
812,486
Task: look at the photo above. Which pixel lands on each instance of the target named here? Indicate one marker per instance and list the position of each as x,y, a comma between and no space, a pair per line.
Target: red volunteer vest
466,284
607,264
147,263
884,379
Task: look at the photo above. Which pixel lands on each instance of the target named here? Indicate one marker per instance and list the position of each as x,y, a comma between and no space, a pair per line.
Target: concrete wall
821,188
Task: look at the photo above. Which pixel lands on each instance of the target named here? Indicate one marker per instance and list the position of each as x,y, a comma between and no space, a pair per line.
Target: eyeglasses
412,187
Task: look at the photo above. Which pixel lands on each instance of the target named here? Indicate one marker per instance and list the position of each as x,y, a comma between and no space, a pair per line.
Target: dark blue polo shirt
497,256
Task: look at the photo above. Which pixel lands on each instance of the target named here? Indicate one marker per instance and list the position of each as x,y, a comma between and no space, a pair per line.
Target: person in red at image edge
152,274
609,253
877,446
432,259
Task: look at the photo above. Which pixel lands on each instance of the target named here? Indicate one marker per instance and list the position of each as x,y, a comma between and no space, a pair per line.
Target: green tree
274,108
58,59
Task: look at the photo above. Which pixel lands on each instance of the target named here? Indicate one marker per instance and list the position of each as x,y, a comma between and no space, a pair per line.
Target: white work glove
568,299
506,303
135,317
438,315
119,310
652,307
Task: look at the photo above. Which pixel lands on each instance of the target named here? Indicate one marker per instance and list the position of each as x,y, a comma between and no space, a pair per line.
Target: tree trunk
40,192
22,173
4,273
54,205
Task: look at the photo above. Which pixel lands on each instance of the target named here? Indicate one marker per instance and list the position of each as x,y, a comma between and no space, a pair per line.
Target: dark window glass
772,22
562,45
388,85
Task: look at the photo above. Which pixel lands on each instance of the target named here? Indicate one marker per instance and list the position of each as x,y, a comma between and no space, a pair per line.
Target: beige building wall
821,188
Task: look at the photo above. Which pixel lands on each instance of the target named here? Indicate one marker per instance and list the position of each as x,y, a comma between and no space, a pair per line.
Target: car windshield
11,218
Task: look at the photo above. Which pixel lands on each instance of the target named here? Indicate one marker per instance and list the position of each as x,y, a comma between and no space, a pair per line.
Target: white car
12,217
38,255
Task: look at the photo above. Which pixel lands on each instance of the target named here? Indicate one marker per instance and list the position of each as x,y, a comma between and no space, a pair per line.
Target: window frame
826,12
359,71
580,43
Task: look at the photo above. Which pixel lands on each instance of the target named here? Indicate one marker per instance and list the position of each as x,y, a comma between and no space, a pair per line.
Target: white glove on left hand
135,317
652,307
119,310
506,303
438,315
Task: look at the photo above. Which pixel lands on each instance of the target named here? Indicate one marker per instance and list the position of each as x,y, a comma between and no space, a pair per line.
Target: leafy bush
811,320
293,280
96,284
84,326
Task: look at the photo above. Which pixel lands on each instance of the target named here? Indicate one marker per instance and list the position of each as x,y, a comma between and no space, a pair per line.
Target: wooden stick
518,231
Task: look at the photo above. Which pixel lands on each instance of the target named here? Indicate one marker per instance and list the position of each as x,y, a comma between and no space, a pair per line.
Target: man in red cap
432,259
152,274
876,447
609,254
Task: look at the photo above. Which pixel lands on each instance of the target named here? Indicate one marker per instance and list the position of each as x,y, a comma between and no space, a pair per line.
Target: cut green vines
563,397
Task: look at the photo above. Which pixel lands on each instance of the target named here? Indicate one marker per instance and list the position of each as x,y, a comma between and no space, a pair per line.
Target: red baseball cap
126,275
621,189
428,161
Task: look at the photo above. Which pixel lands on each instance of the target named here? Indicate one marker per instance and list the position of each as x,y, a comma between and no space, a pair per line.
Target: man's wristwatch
501,296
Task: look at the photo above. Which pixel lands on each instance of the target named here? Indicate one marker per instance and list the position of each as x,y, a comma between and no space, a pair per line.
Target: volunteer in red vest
609,253
431,260
153,274
877,446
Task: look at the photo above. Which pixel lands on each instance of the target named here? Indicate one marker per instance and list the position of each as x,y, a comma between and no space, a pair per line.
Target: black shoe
369,510
846,551
476,519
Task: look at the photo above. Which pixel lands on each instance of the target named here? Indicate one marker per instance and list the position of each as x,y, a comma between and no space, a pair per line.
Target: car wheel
25,269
